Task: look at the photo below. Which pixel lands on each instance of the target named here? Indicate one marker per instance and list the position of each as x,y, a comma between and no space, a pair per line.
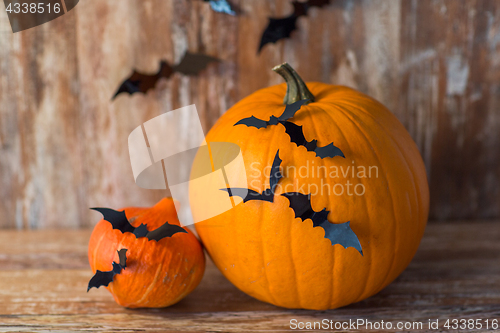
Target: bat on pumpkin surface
104,278
191,64
268,194
119,221
280,28
290,111
297,136
221,6
294,131
337,233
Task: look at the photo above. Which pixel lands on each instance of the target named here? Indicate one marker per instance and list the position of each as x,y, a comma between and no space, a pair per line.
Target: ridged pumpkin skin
267,253
158,274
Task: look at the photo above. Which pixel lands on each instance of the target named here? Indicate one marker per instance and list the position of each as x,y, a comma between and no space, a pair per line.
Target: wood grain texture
63,142
44,276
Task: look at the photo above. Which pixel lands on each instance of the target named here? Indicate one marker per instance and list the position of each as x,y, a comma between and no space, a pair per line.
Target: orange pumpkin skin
271,255
158,273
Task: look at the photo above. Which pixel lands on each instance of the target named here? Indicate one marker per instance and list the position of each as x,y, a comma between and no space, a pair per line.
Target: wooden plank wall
63,142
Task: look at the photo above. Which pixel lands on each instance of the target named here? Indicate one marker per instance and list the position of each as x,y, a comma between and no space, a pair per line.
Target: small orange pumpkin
157,273
380,187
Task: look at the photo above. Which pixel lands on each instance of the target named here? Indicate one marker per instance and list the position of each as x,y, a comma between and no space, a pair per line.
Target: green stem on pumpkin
296,88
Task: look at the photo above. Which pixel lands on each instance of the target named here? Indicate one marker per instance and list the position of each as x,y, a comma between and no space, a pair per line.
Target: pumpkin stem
296,88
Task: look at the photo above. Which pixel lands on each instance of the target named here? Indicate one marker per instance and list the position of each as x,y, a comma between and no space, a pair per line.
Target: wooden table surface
44,275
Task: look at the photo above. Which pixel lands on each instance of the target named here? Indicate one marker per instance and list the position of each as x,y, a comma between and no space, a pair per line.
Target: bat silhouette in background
221,6
119,221
337,233
104,278
268,194
280,28
294,131
191,64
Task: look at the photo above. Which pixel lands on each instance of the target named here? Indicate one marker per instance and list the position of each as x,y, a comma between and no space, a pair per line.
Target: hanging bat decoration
280,28
105,278
119,221
337,233
221,6
294,131
268,194
191,64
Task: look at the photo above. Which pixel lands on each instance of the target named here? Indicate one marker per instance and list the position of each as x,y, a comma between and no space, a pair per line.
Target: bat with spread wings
294,131
337,233
297,136
191,64
105,278
290,111
280,28
119,221
268,194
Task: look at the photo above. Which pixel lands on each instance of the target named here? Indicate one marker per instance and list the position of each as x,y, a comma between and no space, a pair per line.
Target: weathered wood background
63,142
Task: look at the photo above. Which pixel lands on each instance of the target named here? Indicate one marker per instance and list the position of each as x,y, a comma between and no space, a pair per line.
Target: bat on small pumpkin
119,221
267,194
337,233
280,28
148,264
191,64
105,278
294,131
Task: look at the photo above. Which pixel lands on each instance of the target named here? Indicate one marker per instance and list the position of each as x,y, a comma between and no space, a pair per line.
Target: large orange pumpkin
271,255
158,273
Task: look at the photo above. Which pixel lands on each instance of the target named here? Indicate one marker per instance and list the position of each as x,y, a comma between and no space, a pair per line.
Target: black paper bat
268,194
104,278
337,233
191,64
280,28
119,221
294,131
290,111
297,136
221,6
165,230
